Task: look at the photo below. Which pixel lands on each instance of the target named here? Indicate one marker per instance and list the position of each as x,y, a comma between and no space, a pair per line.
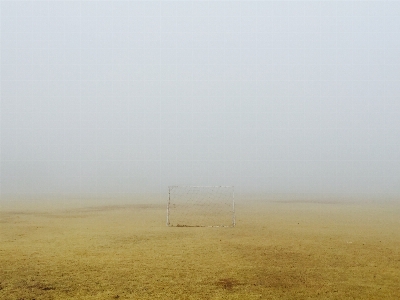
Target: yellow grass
279,250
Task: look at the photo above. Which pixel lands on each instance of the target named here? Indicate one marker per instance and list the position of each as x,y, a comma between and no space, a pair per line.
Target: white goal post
201,206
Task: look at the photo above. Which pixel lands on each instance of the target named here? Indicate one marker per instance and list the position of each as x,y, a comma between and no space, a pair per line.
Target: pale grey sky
279,97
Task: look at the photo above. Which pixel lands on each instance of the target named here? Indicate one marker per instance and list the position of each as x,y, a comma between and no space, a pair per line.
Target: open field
279,250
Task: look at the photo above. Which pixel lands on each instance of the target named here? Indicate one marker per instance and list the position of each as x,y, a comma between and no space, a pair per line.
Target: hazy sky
118,97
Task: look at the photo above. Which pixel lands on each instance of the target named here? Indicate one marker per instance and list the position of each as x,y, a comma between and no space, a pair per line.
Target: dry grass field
279,250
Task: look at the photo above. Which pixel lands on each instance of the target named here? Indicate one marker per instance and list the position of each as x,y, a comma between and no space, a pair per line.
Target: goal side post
168,203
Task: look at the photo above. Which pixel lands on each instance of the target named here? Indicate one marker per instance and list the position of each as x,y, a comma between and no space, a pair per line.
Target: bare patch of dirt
106,208
42,286
310,202
227,283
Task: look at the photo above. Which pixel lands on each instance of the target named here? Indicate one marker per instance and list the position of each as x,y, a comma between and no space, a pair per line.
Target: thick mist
278,97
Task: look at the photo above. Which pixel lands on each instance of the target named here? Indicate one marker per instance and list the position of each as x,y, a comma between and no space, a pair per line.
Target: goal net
201,206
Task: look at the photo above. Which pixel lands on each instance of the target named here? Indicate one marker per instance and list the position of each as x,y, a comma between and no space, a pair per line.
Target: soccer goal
201,206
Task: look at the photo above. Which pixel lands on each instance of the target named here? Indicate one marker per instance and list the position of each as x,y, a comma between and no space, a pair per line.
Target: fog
277,97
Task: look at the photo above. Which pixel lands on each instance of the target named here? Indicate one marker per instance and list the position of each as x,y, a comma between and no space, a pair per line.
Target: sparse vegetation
277,251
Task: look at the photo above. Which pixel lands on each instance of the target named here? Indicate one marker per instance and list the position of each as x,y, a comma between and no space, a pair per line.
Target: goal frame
233,224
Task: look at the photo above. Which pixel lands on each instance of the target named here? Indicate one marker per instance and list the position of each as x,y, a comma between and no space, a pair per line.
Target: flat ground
279,250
